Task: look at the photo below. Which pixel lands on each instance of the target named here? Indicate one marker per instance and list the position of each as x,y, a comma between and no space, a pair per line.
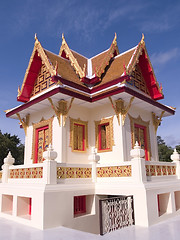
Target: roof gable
67,53
37,58
140,57
102,60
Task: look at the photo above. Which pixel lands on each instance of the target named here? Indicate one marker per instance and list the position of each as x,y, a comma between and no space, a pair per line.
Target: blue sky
89,27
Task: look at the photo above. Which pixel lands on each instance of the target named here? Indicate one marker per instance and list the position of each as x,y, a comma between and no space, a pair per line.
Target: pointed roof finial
115,38
142,39
63,39
35,36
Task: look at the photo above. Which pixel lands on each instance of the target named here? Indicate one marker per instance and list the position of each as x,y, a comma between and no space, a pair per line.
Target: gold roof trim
74,62
135,59
99,71
37,47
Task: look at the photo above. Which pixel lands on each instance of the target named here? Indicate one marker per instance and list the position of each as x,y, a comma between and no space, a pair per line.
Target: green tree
164,151
13,144
178,148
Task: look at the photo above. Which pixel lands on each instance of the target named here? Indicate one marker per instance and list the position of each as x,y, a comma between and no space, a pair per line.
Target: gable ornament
120,108
157,120
61,110
24,121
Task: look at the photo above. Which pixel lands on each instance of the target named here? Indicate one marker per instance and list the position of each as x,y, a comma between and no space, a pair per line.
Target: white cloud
162,58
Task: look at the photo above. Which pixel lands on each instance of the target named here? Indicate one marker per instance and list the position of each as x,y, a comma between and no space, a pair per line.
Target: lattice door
116,213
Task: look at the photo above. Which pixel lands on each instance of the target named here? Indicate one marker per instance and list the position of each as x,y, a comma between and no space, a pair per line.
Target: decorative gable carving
137,80
43,81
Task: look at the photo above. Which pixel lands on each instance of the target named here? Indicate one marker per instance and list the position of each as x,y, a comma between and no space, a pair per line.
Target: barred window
79,205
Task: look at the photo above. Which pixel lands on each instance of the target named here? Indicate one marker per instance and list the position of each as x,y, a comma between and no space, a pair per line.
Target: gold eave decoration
121,109
74,63
135,59
61,110
37,47
110,53
24,122
157,120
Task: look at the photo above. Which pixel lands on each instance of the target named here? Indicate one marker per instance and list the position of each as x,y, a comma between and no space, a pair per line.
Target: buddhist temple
91,157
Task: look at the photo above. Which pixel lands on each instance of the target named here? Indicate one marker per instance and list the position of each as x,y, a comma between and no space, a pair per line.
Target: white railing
160,169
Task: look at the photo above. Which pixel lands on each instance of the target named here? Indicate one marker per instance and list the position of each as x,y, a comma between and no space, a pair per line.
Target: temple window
78,135
79,205
42,137
104,135
140,133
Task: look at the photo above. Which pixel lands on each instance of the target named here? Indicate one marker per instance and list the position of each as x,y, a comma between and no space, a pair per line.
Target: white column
50,166
123,139
176,157
8,161
94,159
138,164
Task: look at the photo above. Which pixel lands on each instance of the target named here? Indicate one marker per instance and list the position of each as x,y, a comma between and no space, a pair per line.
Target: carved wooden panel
43,81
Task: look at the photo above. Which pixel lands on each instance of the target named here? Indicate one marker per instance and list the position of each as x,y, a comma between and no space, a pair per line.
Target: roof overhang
90,97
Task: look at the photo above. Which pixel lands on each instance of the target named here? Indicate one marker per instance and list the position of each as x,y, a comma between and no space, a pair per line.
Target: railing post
176,157
138,164
8,161
50,166
94,159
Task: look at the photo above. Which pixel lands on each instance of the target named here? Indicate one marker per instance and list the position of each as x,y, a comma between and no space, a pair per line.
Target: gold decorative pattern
40,124
110,54
115,171
139,121
37,48
119,108
137,80
43,81
74,62
68,172
157,120
24,122
76,135
61,109
159,170
0,174
36,172
110,134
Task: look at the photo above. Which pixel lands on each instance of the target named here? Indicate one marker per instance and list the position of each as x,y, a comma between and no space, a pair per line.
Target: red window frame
30,206
79,204
36,141
145,139
99,136
83,137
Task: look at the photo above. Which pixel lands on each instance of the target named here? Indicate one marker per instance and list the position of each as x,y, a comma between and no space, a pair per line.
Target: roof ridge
99,53
133,48
79,54
57,55
107,57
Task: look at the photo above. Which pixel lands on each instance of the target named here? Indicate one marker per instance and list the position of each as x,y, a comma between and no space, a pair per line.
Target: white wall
61,135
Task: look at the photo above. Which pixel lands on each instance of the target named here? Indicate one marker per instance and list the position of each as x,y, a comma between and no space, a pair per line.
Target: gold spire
114,40
142,39
35,37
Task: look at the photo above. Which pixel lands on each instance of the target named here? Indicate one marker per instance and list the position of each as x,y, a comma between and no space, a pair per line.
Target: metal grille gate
115,213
